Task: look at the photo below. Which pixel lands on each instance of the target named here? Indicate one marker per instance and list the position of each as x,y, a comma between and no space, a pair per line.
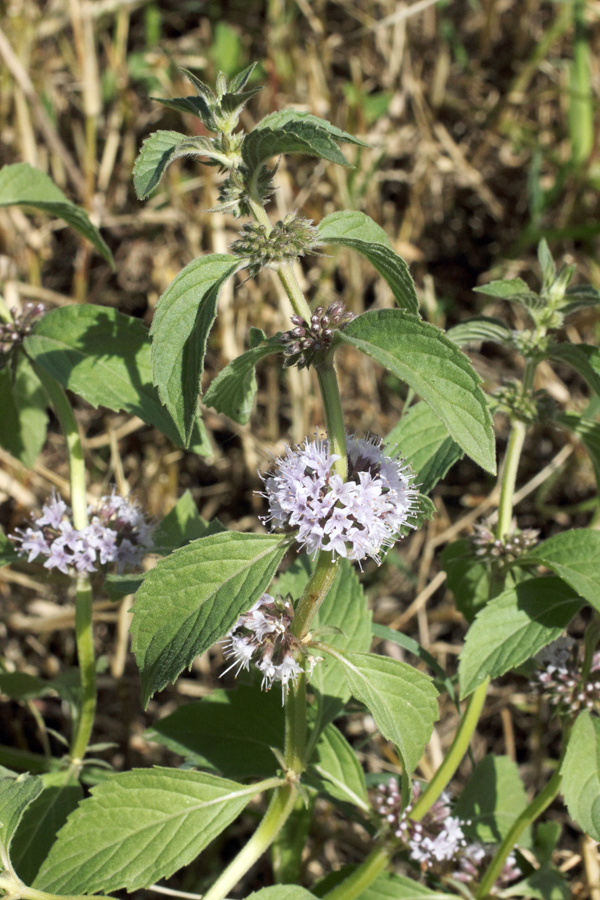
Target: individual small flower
117,533
560,681
474,860
262,636
308,339
354,519
506,549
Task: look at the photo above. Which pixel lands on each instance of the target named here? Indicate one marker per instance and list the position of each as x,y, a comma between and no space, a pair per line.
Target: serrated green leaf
389,886
22,185
162,148
182,322
423,440
408,643
581,774
16,794
575,557
350,228
491,800
421,355
514,289
24,419
8,554
469,579
584,359
41,822
290,131
140,826
104,356
182,525
515,626
481,328
230,731
588,432
232,391
195,106
194,596
338,770
401,699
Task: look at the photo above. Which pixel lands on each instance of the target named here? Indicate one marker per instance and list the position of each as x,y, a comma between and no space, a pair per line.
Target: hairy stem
295,727
334,417
14,888
529,815
362,877
83,598
280,807
314,594
455,755
509,477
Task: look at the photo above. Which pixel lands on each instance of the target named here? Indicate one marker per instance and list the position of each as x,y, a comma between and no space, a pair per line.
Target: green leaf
389,886
575,557
24,419
339,772
282,892
344,607
140,826
425,443
290,131
350,228
545,884
41,822
401,699
546,263
492,799
408,643
230,731
182,525
585,360
22,185
588,433
580,297
469,579
182,322
514,627
22,686
15,796
161,148
287,850
480,328
422,356
581,774
193,597
514,289
104,356
118,586
232,391
8,554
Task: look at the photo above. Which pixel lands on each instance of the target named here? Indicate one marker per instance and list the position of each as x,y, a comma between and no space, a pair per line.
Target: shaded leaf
469,579
22,686
194,596
22,185
16,794
338,771
182,322
421,355
575,557
408,643
24,419
232,391
492,799
8,553
182,525
350,228
480,328
423,440
515,626
140,826
588,432
585,360
581,774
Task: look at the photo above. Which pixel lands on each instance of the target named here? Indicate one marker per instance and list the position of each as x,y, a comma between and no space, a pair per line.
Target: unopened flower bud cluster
513,400
559,679
289,239
117,533
262,637
355,518
506,549
309,338
22,324
438,842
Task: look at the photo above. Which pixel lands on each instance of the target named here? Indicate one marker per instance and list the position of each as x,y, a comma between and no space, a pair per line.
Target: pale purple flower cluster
355,518
560,680
118,532
262,636
438,842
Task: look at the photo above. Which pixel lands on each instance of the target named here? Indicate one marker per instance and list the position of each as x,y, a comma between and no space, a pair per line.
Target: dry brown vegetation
473,157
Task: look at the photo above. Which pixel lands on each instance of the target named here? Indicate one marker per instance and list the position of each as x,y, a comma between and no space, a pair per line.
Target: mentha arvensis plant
284,604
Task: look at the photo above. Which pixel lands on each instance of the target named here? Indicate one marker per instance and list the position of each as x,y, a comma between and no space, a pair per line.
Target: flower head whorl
354,519
560,679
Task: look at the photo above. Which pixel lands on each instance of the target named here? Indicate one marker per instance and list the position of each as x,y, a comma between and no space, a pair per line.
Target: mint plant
303,627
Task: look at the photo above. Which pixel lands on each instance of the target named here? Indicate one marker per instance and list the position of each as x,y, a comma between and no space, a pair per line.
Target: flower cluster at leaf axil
560,680
355,518
288,239
12,333
506,549
262,636
307,339
438,842
118,532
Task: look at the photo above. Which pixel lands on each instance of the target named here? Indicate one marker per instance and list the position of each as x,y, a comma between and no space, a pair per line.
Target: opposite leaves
194,596
422,356
160,149
140,826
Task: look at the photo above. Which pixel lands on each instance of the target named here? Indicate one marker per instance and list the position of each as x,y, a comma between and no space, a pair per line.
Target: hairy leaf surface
575,557
232,391
335,763
16,794
423,440
161,148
